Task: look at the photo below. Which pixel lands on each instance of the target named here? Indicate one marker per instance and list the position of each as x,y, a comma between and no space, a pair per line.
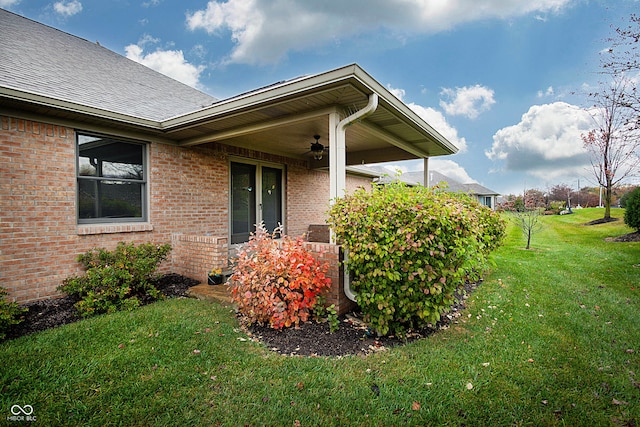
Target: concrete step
218,293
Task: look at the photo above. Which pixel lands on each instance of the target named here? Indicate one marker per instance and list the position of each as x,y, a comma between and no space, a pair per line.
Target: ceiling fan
317,149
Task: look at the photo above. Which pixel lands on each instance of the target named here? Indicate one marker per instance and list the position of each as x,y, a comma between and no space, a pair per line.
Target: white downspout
338,176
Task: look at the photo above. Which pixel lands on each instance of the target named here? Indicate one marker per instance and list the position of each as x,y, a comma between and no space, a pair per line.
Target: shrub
276,282
9,313
116,280
632,210
410,248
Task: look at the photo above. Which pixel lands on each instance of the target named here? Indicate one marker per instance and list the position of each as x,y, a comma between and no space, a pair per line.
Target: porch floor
204,291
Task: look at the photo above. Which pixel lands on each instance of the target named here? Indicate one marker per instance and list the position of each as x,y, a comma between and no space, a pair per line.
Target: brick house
96,149
480,193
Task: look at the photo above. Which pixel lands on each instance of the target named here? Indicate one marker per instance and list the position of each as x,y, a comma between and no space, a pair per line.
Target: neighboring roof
46,74
437,178
81,72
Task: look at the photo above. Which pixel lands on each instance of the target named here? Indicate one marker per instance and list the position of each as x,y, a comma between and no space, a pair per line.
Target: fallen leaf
265,399
196,351
629,350
619,402
296,423
120,345
530,360
485,364
300,385
415,406
545,402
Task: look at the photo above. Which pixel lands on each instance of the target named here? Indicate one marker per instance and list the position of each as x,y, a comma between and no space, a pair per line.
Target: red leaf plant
277,281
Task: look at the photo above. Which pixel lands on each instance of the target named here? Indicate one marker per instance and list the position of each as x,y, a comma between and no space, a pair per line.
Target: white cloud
67,8
263,31
398,93
6,4
546,143
451,169
437,121
168,62
548,92
467,101
434,118
151,3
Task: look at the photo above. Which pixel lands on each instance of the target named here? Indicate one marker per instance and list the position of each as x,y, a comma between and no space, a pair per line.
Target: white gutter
337,169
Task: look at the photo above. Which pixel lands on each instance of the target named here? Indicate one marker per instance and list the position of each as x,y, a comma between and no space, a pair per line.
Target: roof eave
72,107
352,74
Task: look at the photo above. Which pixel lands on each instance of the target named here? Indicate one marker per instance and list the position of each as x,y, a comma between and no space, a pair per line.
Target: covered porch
328,122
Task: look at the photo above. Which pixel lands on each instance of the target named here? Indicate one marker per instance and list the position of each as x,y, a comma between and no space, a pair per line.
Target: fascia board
45,101
351,74
268,95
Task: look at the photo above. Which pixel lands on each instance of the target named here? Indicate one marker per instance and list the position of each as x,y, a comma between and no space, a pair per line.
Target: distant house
97,149
484,195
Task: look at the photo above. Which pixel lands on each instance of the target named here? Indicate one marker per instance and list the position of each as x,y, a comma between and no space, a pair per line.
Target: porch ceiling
283,118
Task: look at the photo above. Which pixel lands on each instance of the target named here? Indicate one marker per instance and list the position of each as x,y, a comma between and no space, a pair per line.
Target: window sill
88,229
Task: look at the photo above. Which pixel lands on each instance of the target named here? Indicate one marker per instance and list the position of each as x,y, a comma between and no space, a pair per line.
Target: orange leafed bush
276,282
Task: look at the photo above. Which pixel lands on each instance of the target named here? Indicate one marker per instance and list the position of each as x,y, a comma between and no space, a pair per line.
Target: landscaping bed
310,339
51,313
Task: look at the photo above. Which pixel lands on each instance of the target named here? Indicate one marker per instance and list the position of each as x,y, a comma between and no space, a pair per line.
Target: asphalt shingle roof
42,60
436,178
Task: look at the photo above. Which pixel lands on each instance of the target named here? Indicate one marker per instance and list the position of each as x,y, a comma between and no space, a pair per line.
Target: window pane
109,158
243,201
271,198
109,199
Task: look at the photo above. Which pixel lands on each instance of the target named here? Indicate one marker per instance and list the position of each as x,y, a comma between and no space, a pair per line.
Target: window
256,196
111,180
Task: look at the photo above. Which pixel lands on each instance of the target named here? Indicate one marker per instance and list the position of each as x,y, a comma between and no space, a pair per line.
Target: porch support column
337,159
426,173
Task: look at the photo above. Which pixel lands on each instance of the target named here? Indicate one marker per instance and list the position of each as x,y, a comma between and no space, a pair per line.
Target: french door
256,196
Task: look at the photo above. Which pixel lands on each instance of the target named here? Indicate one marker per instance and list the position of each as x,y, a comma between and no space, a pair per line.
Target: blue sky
504,80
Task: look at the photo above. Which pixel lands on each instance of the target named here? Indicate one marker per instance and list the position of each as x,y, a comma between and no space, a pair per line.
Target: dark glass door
250,206
271,203
243,201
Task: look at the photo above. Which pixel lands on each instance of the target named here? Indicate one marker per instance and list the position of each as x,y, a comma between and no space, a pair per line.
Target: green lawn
552,337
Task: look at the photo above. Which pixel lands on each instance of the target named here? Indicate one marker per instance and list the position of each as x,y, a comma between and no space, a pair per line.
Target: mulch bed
51,313
352,338
310,339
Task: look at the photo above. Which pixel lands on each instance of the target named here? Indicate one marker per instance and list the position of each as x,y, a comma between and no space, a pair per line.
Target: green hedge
10,313
410,249
116,280
632,210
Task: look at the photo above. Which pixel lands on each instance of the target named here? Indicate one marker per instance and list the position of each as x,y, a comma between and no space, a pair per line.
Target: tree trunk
607,202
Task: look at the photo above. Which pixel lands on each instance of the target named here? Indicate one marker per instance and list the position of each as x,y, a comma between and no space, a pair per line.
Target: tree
559,193
528,217
614,142
623,56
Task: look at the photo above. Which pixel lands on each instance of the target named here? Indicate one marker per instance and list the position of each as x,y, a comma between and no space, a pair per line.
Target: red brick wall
308,197
39,235
194,256
332,254
188,195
